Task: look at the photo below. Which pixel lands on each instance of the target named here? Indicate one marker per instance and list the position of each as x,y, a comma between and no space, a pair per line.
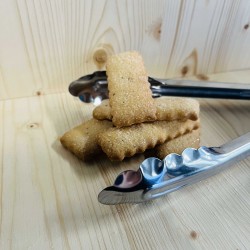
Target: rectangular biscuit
130,96
178,144
82,140
119,143
167,109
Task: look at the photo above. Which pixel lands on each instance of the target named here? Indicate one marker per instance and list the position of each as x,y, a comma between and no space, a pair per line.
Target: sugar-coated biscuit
119,143
82,140
177,145
167,109
130,96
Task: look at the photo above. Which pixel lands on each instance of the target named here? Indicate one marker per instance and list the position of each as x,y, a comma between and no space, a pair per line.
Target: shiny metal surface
94,88
156,178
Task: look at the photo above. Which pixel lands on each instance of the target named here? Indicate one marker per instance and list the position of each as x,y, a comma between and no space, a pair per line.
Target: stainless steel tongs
156,178
93,88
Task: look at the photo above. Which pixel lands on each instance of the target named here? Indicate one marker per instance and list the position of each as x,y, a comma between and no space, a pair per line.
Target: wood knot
202,77
246,26
190,64
33,125
193,235
184,70
100,57
155,29
38,93
157,32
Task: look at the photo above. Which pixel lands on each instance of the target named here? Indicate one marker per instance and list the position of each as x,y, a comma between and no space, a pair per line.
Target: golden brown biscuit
167,109
82,140
130,96
119,143
177,145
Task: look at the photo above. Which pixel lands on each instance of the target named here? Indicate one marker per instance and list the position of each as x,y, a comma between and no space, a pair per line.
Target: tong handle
201,92
218,158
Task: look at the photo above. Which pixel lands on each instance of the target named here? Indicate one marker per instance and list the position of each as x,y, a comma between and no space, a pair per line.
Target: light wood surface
45,44
48,198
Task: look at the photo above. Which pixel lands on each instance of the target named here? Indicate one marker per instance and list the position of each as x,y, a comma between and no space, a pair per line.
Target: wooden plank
45,45
48,198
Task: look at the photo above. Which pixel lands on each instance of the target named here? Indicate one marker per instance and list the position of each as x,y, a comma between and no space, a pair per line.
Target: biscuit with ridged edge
177,145
167,109
119,143
82,139
130,96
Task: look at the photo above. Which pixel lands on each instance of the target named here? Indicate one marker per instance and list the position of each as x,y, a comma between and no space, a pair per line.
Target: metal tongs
156,178
93,88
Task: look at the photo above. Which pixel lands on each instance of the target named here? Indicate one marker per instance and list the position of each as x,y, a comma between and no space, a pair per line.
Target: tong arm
93,86
204,163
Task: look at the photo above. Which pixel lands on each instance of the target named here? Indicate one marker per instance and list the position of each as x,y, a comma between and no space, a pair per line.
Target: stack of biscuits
131,121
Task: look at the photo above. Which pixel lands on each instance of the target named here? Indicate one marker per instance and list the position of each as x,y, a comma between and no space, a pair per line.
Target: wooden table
49,198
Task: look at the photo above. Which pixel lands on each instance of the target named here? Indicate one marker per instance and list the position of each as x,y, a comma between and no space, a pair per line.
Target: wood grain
48,198
44,45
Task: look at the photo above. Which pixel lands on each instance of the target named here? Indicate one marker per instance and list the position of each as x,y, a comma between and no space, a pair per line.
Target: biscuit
177,145
130,96
177,108
167,109
119,143
102,111
82,140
